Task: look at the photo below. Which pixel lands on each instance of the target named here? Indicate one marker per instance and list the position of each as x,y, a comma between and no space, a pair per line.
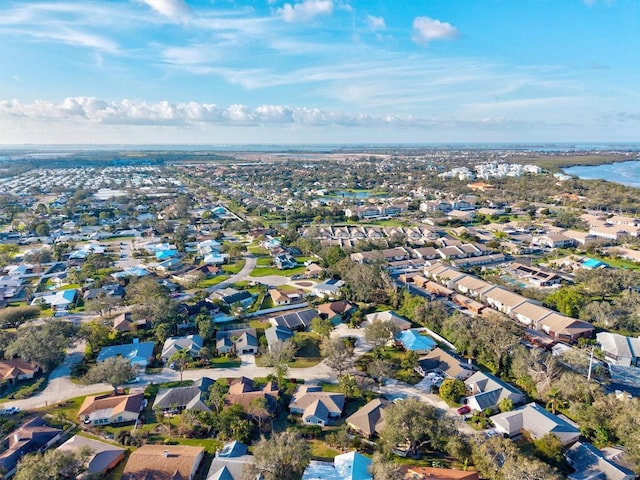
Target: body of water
626,173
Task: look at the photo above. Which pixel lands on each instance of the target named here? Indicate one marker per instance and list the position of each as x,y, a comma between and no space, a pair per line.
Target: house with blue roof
166,254
414,341
60,300
348,466
139,354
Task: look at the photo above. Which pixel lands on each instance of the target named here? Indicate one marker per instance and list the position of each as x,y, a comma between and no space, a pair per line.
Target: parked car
463,410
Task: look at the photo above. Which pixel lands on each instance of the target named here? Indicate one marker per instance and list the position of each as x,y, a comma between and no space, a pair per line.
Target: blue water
625,173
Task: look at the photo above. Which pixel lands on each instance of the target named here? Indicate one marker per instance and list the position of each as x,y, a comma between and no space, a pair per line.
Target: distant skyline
319,71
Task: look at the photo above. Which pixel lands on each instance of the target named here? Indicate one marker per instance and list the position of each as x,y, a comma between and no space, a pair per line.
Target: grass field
265,271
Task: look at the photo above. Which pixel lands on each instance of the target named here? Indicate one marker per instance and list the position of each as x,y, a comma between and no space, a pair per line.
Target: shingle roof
370,418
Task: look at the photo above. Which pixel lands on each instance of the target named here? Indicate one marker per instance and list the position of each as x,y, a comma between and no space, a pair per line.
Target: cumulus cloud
426,29
93,111
376,23
176,10
306,10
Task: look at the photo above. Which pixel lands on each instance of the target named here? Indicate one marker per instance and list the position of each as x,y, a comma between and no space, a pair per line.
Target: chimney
165,454
16,437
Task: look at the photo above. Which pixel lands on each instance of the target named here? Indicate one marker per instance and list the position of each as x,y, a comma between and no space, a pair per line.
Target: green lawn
224,362
233,268
264,262
394,356
264,271
321,451
210,282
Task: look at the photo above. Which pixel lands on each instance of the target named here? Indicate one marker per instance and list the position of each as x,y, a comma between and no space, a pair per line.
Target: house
620,350
193,397
537,422
243,391
529,313
32,436
553,240
328,288
103,458
432,473
313,270
124,322
280,297
438,360
389,316
316,406
468,304
412,340
139,354
502,299
565,329
486,391
14,370
369,419
107,409
241,341
230,462
231,296
337,312
162,462
590,464
348,466
285,261
60,300
470,286
277,334
190,343
300,320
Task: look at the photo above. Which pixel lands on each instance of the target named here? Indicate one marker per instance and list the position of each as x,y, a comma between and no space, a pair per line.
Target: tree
383,469
451,390
54,464
44,345
278,357
15,316
180,360
322,326
412,424
379,369
379,332
258,411
505,405
97,335
284,456
217,391
338,354
348,385
567,300
114,371
549,448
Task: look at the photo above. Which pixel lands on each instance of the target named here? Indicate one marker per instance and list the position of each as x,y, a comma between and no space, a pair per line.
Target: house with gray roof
486,391
620,350
104,457
193,397
190,343
316,406
589,463
277,334
368,420
230,462
537,422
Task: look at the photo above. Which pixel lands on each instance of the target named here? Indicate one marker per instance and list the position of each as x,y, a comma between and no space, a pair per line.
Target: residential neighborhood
207,319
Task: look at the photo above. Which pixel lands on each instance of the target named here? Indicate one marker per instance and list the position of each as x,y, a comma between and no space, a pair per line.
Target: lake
626,173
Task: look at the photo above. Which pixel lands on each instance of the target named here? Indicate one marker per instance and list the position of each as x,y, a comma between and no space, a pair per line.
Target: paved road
250,261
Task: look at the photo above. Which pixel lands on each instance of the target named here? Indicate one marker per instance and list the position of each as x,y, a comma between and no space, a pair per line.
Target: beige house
163,462
368,420
107,409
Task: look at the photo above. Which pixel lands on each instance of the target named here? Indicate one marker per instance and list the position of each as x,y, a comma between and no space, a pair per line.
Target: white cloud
426,29
176,10
376,23
306,10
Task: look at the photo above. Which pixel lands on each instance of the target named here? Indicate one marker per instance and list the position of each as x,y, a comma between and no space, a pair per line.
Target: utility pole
590,364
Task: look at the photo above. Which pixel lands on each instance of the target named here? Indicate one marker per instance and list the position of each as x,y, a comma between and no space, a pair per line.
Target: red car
463,410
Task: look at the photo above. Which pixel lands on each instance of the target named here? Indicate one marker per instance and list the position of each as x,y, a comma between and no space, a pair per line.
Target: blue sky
319,71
